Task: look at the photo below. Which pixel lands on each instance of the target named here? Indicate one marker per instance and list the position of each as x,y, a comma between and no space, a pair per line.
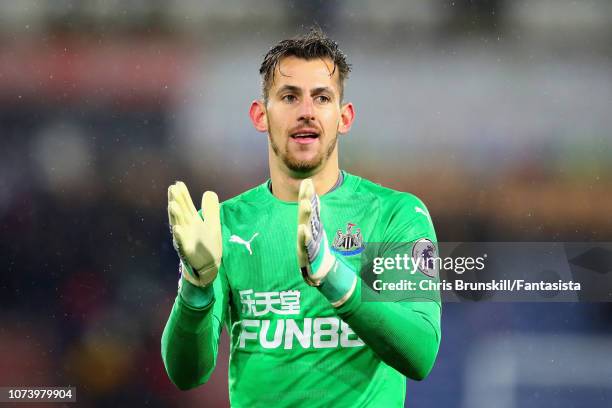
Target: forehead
311,73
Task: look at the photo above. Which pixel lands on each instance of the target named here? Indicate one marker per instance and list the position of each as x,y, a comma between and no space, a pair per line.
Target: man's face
303,113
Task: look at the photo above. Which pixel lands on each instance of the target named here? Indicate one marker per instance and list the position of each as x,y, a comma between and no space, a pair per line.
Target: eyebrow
297,90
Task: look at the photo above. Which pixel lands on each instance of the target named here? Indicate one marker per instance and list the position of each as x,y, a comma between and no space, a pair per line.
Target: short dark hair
313,45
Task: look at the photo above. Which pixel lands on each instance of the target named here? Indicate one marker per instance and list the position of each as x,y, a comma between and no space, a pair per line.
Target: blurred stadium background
496,113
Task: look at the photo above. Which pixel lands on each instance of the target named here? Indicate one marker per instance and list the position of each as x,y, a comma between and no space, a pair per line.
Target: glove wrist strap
339,284
195,296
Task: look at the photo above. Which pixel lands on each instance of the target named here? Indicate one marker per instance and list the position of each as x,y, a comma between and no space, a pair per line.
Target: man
282,265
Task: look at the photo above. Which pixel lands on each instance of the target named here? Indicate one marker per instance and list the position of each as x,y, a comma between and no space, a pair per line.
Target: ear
257,113
347,116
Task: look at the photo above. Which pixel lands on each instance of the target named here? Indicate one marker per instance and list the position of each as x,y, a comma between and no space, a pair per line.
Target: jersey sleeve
403,330
190,340
409,220
410,234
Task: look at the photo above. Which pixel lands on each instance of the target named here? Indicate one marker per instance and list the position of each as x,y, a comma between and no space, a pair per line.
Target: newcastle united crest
349,243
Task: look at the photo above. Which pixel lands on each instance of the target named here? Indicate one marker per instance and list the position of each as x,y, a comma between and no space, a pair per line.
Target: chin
303,166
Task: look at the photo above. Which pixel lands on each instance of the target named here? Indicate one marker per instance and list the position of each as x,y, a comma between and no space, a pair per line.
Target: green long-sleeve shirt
289,346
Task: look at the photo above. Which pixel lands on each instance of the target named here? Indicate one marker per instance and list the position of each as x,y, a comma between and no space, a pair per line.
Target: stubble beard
302,166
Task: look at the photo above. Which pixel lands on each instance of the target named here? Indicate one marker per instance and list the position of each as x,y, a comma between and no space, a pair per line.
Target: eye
289,98
322,99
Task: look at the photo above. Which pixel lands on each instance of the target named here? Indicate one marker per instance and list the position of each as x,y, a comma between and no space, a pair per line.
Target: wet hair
313,45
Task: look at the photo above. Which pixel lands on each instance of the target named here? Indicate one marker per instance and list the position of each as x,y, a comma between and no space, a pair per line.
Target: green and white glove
319,266
197,239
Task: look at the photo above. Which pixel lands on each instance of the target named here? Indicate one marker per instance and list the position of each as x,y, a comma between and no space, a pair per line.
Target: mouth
305,136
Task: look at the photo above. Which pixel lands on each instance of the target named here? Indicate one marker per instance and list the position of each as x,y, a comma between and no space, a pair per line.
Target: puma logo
247,244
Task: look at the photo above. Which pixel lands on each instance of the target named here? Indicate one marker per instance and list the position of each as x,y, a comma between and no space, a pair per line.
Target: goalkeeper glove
319,266
196,239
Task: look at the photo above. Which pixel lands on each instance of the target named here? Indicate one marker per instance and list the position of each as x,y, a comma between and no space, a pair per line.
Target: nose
306,110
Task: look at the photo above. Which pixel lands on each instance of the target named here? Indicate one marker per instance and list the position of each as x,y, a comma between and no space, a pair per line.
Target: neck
286,184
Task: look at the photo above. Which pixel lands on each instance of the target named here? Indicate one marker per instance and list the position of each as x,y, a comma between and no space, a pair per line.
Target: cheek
274,122
278,127
331,120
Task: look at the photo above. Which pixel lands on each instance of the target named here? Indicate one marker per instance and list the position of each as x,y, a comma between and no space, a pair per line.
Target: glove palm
197,239
314,256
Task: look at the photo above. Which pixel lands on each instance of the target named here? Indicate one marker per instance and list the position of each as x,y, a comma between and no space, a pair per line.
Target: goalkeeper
280,266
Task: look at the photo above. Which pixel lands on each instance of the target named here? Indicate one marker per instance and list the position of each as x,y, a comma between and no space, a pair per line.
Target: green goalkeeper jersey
289,346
